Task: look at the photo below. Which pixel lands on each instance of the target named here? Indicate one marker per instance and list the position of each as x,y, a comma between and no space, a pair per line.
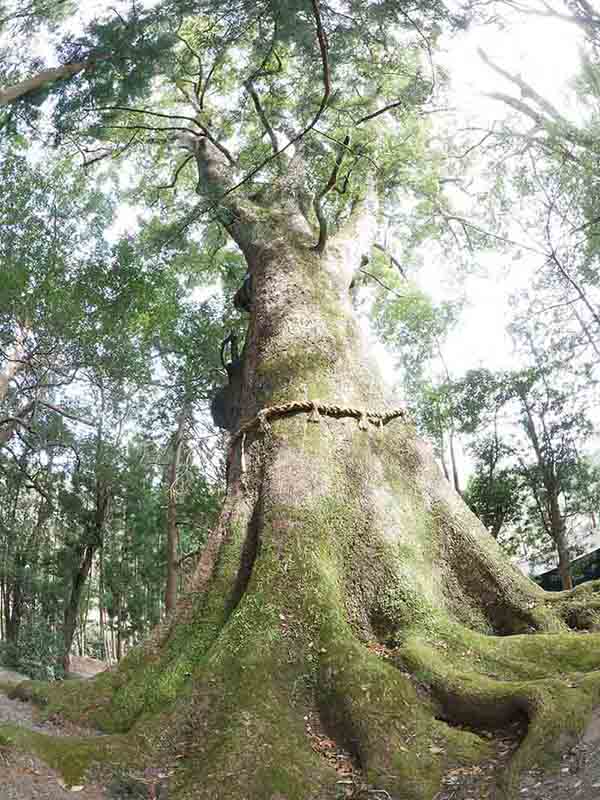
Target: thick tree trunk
14,363
347,588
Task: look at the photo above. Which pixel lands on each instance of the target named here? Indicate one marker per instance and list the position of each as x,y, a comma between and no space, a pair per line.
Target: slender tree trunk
83,567
40,81
454,465
71,613
552,520
172,530
442,455
557,525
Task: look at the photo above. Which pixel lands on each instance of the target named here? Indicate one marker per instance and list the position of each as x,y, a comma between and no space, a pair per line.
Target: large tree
346,586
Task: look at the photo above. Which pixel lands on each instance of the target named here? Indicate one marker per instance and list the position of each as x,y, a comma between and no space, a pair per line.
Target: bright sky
528,48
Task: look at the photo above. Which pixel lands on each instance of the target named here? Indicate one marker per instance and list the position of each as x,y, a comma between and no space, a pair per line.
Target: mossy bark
338,546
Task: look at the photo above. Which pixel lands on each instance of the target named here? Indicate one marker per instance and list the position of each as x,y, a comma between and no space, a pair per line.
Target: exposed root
72,757
377,711
551,681
579,607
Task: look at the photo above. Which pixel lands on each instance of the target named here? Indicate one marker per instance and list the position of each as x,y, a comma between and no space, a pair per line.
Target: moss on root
377,712
72,757
552,682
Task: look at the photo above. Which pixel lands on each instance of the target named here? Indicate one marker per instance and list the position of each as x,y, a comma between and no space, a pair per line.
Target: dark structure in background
584,568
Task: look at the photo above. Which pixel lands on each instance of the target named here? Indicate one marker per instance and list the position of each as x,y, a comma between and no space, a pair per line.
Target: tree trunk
346,589
83,567
15,362
557,525
172,531
40,81
71,612
550,515
455,478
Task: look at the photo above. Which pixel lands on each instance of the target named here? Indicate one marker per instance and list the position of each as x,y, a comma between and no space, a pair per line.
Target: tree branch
382,284
323,104
249,85
320,246
41,80
526,89
393,260
389,107
65,413
177,173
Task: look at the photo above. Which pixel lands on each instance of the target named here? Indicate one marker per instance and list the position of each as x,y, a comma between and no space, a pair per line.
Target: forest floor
577,777
24,777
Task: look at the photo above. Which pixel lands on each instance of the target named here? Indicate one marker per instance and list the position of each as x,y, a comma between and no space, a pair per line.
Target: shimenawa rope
316,409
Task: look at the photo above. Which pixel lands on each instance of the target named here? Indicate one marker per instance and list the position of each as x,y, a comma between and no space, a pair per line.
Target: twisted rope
316,410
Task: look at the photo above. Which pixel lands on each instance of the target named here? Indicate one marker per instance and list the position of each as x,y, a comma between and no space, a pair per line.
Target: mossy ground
72,757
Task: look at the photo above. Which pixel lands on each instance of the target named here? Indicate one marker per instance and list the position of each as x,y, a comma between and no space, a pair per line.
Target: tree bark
455,477
172,531
559,535
83,566
550,514
71,611
40,81
15,362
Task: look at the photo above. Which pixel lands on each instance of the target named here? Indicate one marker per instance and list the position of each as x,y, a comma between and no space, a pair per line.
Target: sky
527,47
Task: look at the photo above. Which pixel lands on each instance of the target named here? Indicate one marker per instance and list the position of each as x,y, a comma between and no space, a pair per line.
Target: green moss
483,681
401,745
72,757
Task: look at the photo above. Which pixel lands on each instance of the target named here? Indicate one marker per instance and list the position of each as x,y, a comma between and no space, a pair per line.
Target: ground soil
23,777
577,777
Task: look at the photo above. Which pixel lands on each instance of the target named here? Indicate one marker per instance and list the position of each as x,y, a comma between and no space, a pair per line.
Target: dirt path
24,777
577,777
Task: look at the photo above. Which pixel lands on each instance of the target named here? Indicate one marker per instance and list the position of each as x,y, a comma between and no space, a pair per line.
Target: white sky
545,53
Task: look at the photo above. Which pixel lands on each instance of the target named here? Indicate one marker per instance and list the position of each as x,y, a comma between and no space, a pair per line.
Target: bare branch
393,260
389,107
381,283
64,413
262,116
177,173
320,246
130,110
